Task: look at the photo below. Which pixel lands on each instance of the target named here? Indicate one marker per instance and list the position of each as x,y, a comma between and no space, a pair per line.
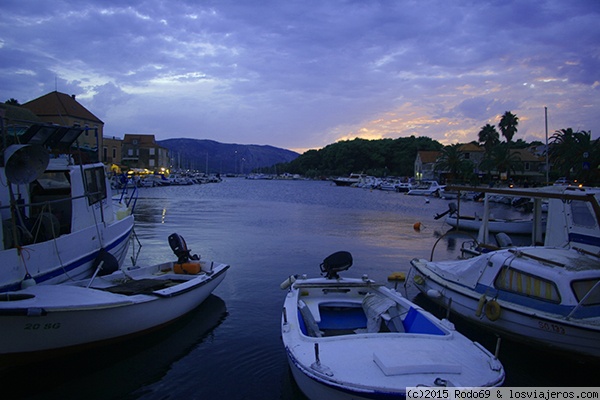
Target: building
111,150
425,165
142,152
63,109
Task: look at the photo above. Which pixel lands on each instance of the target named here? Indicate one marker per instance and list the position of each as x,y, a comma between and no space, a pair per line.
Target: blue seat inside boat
415,322
342,318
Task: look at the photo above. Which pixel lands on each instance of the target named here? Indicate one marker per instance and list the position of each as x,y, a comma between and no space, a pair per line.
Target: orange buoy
417,226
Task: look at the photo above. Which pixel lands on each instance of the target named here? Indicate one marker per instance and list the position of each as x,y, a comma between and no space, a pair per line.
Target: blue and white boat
351,338
547,295
59,218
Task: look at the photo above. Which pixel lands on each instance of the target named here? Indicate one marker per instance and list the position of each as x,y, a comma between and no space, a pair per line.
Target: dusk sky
303,74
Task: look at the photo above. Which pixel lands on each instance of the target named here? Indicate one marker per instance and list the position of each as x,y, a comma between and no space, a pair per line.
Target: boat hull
60,317
517,227
68,257
530,326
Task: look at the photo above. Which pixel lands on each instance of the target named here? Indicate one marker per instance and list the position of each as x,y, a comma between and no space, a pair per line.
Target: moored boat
58,215
546,295
353,179
111,305
349,338
426,188
495,225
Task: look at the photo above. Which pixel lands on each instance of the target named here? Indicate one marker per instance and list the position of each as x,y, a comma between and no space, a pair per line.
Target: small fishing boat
547,295
349,338
113,304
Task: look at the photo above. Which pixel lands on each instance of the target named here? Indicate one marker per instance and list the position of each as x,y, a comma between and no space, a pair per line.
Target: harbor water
267,230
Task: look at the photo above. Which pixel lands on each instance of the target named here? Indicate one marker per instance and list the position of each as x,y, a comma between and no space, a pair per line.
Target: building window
130,152
114,153
527,167
152,151
135,141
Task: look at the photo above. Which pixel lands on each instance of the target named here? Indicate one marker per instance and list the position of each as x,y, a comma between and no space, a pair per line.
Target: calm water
230,347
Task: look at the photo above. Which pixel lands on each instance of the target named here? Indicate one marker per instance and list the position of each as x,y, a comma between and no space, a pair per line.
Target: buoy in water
417,226
397,276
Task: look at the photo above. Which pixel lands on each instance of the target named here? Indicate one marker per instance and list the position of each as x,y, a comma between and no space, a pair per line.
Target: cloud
303,74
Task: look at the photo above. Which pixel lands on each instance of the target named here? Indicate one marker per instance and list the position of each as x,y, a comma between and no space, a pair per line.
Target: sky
302,74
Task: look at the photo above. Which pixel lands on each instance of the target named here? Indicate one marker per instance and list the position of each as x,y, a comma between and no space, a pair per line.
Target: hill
214,157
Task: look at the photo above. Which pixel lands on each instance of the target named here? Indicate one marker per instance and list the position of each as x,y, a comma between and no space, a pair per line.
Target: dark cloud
300,74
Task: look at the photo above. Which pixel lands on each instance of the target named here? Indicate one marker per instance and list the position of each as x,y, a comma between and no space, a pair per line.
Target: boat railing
129,199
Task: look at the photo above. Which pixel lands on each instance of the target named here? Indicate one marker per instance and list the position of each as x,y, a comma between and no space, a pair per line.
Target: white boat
48,319
426,188
351,180
354,339
495,225
58,216
547,295
404,187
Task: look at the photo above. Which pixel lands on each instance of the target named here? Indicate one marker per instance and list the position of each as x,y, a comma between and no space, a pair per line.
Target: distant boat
404,187
495,225
426,188
353,179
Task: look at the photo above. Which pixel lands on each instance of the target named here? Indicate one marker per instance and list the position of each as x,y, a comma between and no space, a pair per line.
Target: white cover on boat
464,272
374,306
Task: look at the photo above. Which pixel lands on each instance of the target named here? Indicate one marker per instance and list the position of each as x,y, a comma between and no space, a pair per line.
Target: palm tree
508,125
453,161
502,160
488,135
574,153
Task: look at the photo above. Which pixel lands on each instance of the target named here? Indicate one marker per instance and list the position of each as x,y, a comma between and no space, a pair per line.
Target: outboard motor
452,208
180,249
336,262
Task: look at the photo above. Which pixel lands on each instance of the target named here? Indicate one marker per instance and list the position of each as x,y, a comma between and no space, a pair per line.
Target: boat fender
419,279
187,268
480,304
288,282
492,310
109,262
397,276
434,294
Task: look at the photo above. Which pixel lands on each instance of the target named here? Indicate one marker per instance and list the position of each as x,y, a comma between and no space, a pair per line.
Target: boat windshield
587,291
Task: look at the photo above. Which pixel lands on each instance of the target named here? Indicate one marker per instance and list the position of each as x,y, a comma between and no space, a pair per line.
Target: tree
452,160
574,154
12,102
488,135
508,125
502,160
